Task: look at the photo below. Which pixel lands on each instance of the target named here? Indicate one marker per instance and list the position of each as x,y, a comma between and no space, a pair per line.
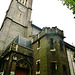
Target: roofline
47,34
72,48
36,27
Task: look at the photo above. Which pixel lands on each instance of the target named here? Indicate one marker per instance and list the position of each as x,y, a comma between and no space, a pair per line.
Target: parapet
53,30
49,31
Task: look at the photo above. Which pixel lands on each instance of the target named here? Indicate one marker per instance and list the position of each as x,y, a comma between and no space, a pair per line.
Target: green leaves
70,4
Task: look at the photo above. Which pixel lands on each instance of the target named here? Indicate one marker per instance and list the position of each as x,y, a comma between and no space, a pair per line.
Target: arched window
24,2
38,67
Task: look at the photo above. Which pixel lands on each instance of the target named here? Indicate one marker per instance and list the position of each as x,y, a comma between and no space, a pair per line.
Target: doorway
20,72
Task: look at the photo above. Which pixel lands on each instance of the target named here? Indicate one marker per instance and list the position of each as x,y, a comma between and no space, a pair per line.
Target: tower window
61,46
51,43
53,68
22,1
25,2
38,43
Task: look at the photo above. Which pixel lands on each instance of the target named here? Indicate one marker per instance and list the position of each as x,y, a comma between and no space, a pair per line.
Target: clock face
21,8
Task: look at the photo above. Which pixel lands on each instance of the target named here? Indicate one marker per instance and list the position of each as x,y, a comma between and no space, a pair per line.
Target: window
61,46
38,44
51,43
53,68
22,1
25,2
37,67
64,70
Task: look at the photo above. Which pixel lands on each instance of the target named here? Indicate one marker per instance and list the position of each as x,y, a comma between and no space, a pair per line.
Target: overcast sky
48,13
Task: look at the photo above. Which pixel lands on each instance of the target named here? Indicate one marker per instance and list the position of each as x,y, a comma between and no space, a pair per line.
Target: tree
70,4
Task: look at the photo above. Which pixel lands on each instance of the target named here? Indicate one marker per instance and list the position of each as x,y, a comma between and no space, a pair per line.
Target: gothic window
51,43
38,67
61,45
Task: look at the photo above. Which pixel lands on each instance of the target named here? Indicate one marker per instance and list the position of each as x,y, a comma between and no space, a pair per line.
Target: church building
26,49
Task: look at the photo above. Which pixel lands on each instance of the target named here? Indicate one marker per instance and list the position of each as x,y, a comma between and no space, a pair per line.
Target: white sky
48,13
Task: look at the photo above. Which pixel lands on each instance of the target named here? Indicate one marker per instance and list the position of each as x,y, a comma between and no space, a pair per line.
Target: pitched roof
72,48
36,27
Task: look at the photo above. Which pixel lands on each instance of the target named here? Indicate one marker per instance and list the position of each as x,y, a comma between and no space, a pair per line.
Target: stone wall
47,56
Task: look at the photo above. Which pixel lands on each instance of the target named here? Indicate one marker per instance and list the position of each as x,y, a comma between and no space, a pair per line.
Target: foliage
70,4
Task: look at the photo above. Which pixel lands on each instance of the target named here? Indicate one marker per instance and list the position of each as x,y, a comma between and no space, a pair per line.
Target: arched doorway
23,67
21,71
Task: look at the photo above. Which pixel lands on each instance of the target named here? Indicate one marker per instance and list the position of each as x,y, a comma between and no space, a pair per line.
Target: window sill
2,73
37,72
53,50
38,48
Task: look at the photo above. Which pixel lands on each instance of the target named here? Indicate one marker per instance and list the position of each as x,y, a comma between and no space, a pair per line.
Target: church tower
16,21
20,11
